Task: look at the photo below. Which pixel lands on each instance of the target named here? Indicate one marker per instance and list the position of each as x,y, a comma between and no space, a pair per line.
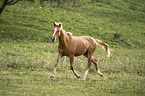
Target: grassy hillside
27,55
100,19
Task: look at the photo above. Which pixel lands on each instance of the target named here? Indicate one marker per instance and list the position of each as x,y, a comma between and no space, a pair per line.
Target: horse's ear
60,24
54,23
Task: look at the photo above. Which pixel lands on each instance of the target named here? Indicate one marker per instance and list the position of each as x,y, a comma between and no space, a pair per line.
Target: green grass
38,83
27,56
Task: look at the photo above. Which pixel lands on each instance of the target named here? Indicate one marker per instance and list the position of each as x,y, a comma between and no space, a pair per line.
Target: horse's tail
105,46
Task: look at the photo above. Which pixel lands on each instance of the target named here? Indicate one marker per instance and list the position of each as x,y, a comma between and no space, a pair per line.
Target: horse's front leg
72,66
57,61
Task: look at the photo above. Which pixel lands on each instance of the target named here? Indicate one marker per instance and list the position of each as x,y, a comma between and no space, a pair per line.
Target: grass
27,55
38,83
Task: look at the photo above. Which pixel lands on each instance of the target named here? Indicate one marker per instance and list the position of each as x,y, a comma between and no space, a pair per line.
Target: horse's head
56,31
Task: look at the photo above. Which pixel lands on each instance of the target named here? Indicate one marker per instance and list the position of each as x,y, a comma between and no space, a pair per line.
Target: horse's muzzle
52,39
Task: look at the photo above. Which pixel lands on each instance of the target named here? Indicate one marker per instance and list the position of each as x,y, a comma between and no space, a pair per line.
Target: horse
71,46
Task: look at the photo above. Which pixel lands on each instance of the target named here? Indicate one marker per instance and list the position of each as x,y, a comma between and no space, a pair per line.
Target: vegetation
27,55
7,2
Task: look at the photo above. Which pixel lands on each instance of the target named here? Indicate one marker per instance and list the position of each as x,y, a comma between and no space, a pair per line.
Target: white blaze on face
54,32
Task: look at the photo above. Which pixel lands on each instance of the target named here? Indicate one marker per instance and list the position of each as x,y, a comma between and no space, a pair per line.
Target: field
27,55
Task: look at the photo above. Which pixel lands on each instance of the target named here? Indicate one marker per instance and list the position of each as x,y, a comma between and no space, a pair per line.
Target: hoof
101,75
83,79
52,77
78,77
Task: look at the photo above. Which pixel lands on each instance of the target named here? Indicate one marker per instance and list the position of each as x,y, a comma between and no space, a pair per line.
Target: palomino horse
75,46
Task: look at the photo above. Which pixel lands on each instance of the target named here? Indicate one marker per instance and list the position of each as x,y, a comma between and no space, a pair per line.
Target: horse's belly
80,51
76,53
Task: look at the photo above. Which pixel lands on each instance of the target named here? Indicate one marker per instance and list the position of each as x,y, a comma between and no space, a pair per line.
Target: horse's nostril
52,39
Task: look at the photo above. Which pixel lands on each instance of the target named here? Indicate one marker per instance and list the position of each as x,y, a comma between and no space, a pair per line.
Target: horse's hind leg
72,66
89,56
96,65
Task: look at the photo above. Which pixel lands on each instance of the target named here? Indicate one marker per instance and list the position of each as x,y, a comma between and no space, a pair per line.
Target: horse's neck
63,38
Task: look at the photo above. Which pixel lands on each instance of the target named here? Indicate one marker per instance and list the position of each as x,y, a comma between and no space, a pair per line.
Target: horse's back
85,43
88,39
